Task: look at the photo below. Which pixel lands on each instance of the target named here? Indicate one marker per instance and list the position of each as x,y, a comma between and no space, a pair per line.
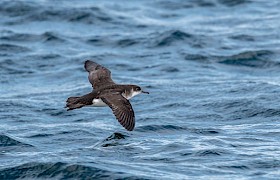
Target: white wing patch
98,103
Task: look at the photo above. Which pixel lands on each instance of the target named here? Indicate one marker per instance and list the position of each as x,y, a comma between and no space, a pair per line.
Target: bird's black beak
145,92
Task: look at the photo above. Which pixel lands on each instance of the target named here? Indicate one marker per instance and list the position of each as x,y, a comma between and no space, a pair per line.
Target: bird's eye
138,89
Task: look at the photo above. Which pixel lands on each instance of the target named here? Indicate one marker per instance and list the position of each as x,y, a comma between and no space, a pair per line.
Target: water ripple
8,141
56,170
211,67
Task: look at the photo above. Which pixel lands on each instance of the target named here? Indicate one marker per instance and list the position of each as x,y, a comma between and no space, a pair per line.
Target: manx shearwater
107,93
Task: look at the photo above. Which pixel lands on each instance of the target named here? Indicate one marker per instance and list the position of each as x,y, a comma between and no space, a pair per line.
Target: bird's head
138,90
134,90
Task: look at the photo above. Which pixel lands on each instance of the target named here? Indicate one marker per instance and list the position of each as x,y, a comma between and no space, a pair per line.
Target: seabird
107,93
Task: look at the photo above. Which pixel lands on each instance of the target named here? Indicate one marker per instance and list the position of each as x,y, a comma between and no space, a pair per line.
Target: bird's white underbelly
98,103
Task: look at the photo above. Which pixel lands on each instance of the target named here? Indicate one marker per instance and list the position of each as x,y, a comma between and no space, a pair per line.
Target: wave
234,167
15,66
40,135
22,12
114,42
251,59
170,69
156,128
266,164
170,37
12,48
177,5
57,170
159,128
113,140
254,59
243,37
210,152
231,3
204,131
8,141
126,42
116,136
16,8
24,37
196,57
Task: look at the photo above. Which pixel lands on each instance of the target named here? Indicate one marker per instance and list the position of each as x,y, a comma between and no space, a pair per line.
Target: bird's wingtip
87,65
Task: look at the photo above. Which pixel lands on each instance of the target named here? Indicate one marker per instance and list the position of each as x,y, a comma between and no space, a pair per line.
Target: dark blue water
212,68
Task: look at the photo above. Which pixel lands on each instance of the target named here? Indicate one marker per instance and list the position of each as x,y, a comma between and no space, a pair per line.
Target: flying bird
107,93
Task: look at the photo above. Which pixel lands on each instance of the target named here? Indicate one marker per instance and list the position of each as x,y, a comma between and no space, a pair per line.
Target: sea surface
212,68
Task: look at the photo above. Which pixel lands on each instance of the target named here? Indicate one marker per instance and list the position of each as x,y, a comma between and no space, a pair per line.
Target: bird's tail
74,103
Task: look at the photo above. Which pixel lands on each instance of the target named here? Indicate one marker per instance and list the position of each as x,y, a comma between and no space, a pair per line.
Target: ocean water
212,68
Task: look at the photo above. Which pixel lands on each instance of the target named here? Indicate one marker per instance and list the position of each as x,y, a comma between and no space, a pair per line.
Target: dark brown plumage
107,92
121,108
98,76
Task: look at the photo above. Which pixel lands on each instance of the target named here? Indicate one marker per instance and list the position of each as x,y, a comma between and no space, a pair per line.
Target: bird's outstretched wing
121,108
98,75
